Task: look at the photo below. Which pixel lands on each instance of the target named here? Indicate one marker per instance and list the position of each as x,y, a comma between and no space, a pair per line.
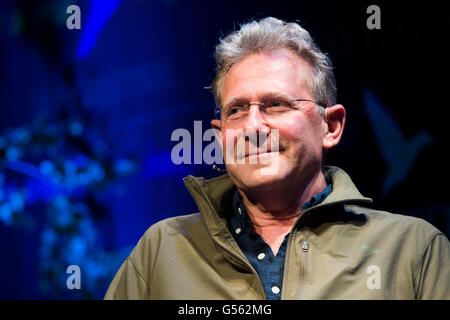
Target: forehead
279,70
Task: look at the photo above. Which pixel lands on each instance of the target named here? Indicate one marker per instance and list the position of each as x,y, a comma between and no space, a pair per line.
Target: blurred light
48,237
87,230
63,218
6,213
12,154
94,269
81,160
99,13
123,166
96,172
84,178
76,128
61,203
77,249
47,167
16,200
40,190
20,135
70,167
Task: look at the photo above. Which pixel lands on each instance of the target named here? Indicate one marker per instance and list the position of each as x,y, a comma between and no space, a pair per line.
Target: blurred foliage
65,169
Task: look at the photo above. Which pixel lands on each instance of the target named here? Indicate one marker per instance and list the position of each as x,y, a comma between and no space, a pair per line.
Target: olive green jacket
338,249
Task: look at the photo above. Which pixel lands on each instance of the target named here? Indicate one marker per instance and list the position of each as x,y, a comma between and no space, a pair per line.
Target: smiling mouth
260,153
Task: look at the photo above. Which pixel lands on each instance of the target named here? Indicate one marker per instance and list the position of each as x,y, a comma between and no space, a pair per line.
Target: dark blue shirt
268,266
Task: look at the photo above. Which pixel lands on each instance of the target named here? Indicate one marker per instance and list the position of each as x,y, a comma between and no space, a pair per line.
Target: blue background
137,70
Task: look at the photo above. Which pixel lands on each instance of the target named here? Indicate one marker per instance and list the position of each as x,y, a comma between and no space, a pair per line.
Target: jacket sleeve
432,279
128,283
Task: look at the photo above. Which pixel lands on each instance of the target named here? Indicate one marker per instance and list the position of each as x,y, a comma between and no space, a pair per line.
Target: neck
281,204
273,212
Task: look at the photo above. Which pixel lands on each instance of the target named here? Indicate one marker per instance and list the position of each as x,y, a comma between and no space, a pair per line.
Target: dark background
87,116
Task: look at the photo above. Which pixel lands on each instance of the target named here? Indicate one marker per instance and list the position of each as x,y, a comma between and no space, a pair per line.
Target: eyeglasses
235,112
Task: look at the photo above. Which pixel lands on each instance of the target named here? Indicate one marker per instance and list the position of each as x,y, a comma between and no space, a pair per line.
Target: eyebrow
264,96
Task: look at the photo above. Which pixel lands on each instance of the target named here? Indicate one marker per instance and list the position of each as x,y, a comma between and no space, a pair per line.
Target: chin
255,176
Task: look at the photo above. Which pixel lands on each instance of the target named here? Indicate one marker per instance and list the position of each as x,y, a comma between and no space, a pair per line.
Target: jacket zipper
305,247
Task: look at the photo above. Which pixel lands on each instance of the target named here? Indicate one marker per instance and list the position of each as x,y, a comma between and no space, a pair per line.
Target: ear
334,124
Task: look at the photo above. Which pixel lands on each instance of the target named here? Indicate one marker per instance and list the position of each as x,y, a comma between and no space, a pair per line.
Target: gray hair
269,34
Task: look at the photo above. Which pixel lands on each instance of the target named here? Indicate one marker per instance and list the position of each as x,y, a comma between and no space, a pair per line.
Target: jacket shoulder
166,239
170,231
159,244
396,223
172,225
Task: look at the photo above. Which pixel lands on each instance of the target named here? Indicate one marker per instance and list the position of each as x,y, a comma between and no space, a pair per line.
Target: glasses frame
217,109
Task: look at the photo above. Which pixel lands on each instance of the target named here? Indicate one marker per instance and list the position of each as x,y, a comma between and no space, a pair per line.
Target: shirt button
275,290
240,211
261,256
238,230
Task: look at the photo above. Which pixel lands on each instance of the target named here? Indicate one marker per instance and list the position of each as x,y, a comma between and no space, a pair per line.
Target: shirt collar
241,220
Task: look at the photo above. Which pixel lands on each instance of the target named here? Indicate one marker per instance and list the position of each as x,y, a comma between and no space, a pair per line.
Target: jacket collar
344,190
214,196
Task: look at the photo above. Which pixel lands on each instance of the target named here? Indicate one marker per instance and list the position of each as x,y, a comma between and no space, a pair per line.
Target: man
281,225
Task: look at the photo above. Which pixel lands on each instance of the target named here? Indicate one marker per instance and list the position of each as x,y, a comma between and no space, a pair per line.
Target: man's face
259,78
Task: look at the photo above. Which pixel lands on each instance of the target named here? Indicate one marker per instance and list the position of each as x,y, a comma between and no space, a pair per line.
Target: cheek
229,136
293,129
305,117
299,133
309,113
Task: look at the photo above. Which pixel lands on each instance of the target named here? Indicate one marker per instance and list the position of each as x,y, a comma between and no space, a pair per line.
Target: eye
278,104
235,109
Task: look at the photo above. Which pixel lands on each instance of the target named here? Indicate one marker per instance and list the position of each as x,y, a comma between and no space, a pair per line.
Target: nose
255,120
